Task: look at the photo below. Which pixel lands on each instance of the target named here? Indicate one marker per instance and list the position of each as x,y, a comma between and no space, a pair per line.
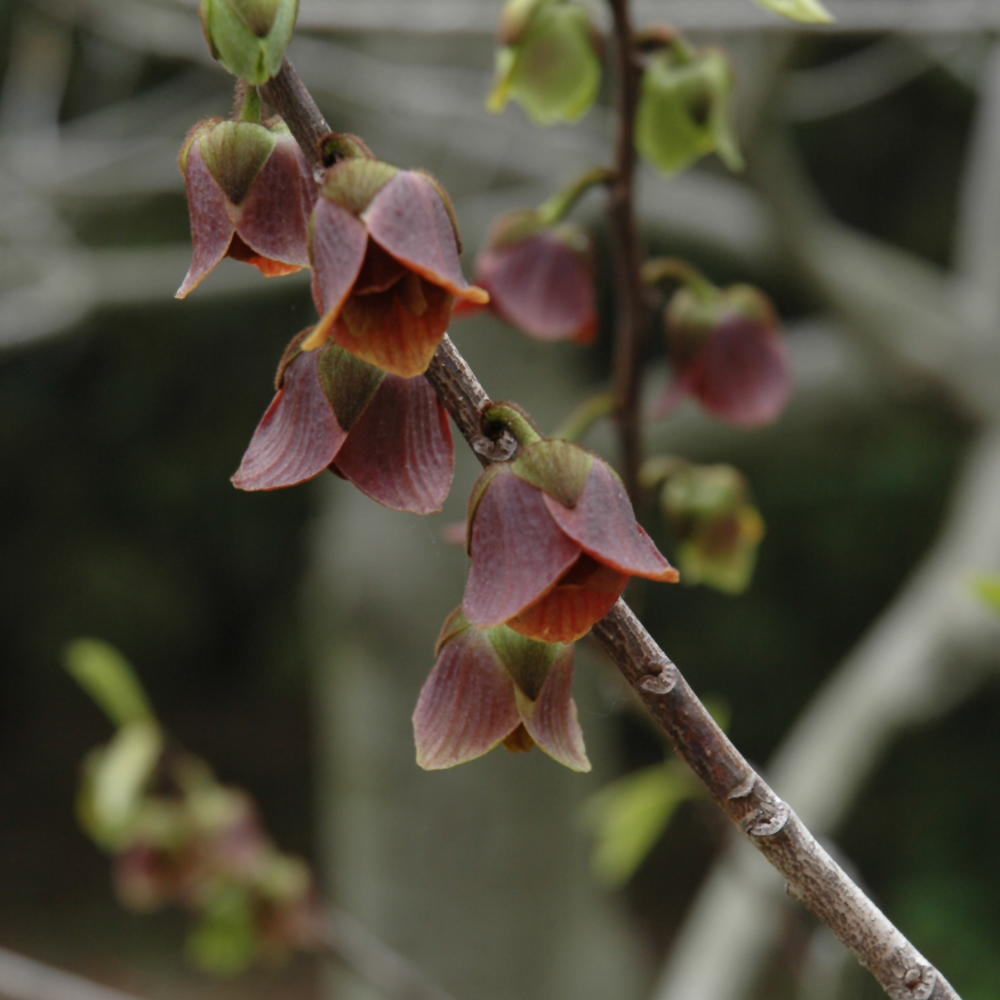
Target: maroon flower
387,435
492,686
540,278
553,542
727,352
250,192
384,249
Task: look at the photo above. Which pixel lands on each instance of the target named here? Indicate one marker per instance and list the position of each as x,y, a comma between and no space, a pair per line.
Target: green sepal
349,383
559,468
235,153
194,134
455,624
526,660
109,679
695,312
249,37
478,489
684,111
803,11
514,227
353,183
224,940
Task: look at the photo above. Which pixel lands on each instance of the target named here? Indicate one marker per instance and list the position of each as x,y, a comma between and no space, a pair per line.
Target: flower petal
384,329
518,551
337,245
400,451
408,219
742,375
552,720
603,524
467,705
273,219
566,613
542,287
211,228
298,436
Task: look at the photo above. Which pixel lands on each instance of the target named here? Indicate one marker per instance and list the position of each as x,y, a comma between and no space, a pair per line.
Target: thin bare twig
769,824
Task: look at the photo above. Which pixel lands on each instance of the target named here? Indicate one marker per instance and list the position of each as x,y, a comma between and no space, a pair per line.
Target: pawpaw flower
384,248
250,192
492,686
727,352
553,542
387,435
549,60
540,278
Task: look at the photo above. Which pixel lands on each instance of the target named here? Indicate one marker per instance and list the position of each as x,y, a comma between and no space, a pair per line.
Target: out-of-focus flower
492,686
718,528
553,542
684,109
249,37
804,11
250,192
726,349
540,277
387,435
384,249
549,60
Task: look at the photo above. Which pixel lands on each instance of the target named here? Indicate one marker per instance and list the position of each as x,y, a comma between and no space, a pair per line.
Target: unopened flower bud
249,37
718,529
549,60
684,109
540,277
726,350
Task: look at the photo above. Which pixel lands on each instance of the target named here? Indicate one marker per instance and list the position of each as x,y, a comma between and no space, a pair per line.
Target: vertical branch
631,317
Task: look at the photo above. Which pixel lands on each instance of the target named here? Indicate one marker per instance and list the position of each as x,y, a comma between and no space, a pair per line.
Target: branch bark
766,821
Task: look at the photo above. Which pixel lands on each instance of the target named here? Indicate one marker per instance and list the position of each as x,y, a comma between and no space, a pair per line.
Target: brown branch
631,319
767,822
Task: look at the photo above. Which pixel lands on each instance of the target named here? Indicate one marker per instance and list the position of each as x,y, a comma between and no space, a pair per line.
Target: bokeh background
284,636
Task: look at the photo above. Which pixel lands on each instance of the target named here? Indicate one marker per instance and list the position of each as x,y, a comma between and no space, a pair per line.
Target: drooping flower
684,108
718,529
540,277
553,542
384,249
387,435
492,686
250,192
726,350
249,37
549,60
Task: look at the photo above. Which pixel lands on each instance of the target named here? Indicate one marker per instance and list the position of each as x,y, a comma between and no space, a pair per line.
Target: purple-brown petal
467,705
408,219
742,374
552,720
582,597
337,247
273,219
400,450
211,228
518,551
542,287
298,436
603,524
